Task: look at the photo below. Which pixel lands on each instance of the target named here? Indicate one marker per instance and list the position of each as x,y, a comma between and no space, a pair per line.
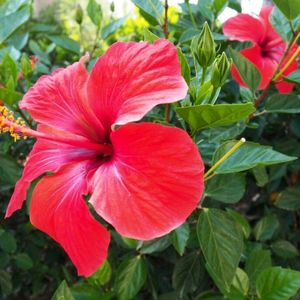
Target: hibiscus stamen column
18,130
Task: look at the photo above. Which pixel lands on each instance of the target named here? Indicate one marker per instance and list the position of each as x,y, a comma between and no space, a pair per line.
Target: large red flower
267,47
144,178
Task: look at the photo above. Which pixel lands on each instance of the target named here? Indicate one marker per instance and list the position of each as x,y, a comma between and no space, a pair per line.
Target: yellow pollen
10,125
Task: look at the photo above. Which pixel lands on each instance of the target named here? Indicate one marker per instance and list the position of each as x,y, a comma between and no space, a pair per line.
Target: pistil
18,130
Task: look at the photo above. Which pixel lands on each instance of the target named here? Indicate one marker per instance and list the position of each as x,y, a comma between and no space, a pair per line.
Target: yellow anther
10,125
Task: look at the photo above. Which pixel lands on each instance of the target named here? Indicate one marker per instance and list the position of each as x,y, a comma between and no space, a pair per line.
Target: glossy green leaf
228,188
150,36
241,220
94,12
261,175
156,245
248,156
23,261
185,68
187,274
8,242
265,227
293,77
283,103
207,115
65,43
63,292
154,8
239,287
9,169
290,8
221,241
246,69
102,275
258,261
284,249
12,22
179,237
130,278
112,27
277,284
289,199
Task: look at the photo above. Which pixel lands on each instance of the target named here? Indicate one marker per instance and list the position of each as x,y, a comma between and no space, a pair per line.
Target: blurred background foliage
252,210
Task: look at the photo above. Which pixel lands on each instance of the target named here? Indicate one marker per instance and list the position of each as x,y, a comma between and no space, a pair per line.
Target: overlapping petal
59,100
131,78
265,66
46,156
153,182
244,27
58,208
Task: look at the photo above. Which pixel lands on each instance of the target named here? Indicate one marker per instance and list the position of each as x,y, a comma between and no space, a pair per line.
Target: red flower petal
284,87
57,208
59,100
131,78
265,66
153,182
44,157
244,27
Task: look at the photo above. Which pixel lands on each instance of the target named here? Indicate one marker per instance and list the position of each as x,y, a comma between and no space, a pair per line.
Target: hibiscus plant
152,156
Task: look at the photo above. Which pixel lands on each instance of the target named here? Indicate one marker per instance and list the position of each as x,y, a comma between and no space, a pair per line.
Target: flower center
17,129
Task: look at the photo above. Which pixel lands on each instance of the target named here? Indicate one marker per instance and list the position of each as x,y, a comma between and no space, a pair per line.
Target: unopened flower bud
204,48
26,67
220,70
79,14
112,6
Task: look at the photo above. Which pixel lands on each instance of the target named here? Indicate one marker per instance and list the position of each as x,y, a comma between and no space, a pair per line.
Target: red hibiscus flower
267,47
143,178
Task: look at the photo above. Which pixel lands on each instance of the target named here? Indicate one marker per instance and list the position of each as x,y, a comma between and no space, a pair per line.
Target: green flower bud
112,6
204,48
220,70
78,14
26,66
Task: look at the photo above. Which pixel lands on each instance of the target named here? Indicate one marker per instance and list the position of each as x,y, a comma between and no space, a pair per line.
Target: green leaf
9,169
102,275
258,261
63,292
221,241
5,282
94,12
240,286
23,261
185,68
9,97
210,295
9,71
248,156
179,237
247,70
130,278
241,220
284,249
228,188
283,103
290,8
12,22
207,115
281,24
112,27
261,175
8,242
293,77
150,36
289,199
277,283
187,274
154,8
156,245
65,43
265,227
